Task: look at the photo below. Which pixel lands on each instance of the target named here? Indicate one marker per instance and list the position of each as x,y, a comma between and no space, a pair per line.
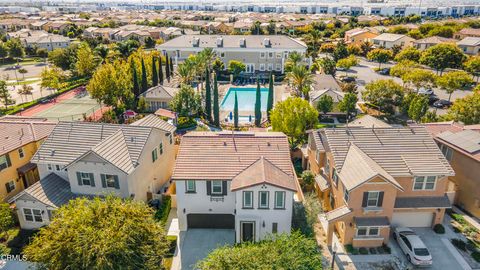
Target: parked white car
413,247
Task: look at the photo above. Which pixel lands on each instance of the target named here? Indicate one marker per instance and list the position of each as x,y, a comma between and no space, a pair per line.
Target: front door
248,231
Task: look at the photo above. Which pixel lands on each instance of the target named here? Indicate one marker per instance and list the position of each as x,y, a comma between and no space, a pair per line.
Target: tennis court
71,109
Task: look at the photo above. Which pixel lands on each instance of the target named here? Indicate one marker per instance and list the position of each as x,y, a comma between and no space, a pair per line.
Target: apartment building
260,53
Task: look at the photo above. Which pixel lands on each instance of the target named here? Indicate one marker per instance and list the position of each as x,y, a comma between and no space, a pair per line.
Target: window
279,199
21,154
270,55
335,177
110,181
4,162
85,179
262,67
447,152
263,199
279,55
262,55
367,231
33,215
217,187
10,186
270,67
222,54
50,167
274,227
327,166
278,67
424,183
345,194
317,156
57,167
170,137
160,148
190,186
372,199
154,155
247,199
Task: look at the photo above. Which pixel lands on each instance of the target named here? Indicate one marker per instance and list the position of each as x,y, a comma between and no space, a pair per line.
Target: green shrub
162,212
476,256
459,243
386,248
172,244
363,250
372,250
459,218
186,122
349,248
471,246
438,228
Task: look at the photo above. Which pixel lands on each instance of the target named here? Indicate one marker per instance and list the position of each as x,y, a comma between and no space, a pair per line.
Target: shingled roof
223,155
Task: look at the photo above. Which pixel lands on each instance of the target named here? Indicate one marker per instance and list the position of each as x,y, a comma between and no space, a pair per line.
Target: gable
91,157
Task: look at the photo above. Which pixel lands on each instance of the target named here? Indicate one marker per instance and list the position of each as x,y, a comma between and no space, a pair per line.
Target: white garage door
412,219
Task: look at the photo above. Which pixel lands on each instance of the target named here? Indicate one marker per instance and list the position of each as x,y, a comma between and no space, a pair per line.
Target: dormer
196,42
266,42
243,43
219,42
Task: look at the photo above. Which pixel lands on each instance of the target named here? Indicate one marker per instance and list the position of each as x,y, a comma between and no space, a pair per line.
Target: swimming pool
246,99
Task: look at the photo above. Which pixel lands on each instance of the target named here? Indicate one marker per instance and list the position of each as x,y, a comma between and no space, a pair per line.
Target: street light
334,252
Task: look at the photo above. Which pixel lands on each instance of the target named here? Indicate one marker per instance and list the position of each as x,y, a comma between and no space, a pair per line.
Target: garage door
412,219
211,221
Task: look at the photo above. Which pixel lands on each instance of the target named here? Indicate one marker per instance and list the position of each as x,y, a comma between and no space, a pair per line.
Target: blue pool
246,99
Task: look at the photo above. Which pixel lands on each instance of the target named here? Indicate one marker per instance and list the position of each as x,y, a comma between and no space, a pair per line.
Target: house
158,97
21,138
359,35
470,45
461,146
235,180
325,84
93,159
59,27
467,32
425,43
242,26
387,40
259,53
370,179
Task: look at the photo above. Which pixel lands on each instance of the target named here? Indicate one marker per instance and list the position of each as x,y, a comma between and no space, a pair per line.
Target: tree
7,220
160,70
293,117
283,251
419,77
410,53
466,110
25,90
15,48
115,232
325,104
348,103
185,71
418,107
454,80
472,65
384,93
154,72
256,29
366,47
3,51
327,48
167,68
380,56
144,82
52,78
340,51
326,65
216,109
149,42
218,65
442,56
208,96
102,52
347,63
294,59
64,58
235,111
86,64
170,62
270,97
23,72
258,105
186,102
349,87
235,67
300,78
136,85
313,41
5,95
354,49
402,68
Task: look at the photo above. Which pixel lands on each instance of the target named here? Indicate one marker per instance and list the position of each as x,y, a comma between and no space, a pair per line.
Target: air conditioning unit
266,42
196,42
243,43
220,42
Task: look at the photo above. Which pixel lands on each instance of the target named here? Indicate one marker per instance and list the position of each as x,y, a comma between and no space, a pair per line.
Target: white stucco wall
24,202
283,217
43,170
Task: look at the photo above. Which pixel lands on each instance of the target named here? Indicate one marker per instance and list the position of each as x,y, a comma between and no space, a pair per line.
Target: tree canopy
186,102
384,93
410,54
380,56
100,234
455,80
442,56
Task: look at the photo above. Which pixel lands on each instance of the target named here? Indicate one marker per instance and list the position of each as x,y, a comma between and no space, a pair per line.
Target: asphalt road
33,70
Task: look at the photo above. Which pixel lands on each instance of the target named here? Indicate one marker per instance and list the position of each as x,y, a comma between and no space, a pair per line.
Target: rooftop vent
196,42
220,42
52,152
224,143
266,42
243,43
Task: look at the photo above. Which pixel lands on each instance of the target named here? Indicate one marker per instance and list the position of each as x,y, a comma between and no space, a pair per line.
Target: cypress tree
235,111
270,96
208,96
136,87
144,78
167,68
171,66
216,109
160,70
154,73
258,104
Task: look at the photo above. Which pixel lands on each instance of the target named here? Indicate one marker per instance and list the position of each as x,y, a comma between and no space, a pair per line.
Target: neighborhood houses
214,136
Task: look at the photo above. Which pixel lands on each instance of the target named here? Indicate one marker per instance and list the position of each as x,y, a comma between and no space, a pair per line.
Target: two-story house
388,40
371,179
95,159
21,137
235,180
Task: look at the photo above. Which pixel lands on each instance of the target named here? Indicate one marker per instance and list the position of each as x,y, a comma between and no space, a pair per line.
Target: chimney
266,42
219,42
196,42
243,43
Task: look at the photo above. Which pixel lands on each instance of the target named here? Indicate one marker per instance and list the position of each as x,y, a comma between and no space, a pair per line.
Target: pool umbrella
230,116
250,118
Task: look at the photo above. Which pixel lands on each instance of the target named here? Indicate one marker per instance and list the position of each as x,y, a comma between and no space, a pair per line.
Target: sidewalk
172,229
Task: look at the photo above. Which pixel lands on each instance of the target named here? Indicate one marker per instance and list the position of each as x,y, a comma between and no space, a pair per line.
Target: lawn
14,240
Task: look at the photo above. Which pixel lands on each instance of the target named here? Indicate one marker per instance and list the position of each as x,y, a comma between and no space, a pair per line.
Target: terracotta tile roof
223,155
16,132
260,172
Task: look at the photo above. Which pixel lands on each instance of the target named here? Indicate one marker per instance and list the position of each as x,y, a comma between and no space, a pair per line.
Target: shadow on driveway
196,244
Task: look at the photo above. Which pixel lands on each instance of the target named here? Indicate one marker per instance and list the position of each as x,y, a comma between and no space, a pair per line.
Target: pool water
246,99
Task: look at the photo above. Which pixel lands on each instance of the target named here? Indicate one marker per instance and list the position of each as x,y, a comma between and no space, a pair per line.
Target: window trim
260,206
376,199
154,154
335,177
14,186
32,214
284,195
82,179
244,206
346,195
21,153
187,189
213,192
367,231
106,180
424,183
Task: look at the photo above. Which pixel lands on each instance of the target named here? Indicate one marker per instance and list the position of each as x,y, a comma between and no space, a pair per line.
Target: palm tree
185,72
293,59
207,56
313,41
300,78
102,52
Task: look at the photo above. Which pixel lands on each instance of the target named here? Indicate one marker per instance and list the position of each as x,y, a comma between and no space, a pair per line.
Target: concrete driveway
442,257
196,244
